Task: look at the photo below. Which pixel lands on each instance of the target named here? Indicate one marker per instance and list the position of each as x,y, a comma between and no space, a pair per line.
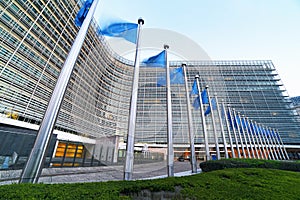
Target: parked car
180,159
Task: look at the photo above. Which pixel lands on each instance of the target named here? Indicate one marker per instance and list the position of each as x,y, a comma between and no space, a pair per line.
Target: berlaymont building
91,129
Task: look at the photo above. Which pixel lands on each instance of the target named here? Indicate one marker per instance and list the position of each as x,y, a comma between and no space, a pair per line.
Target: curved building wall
296,104
252,88
35,38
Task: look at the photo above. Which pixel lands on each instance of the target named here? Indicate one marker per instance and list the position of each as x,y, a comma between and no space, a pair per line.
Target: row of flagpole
242,133
252,140
267,143
243,130
261,139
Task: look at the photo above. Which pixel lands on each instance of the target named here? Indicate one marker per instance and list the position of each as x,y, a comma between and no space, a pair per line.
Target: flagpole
286,154
274,144
169,117
281,157
280,148
239,133
33,167
263,144
246,129
244,135
266,151
214,125
190,123
234,133
275,157
207,154
271,143
222,128
259,143
228,130
128,167
252,137
268,143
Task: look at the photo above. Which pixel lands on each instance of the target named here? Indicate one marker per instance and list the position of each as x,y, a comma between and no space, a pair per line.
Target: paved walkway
110,173
104,173
153,171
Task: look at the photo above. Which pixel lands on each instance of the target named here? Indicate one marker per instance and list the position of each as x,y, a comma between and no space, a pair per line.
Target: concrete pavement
102,173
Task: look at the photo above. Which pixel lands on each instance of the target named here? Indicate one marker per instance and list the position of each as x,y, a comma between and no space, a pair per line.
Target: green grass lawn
239,183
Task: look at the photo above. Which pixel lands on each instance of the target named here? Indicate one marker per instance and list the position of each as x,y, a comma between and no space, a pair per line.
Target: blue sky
226,29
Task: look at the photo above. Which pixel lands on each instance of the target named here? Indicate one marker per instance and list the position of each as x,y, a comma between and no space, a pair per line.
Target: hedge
249,163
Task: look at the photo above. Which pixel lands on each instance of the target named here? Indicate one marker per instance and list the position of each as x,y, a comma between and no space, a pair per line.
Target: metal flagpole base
127,175
170,170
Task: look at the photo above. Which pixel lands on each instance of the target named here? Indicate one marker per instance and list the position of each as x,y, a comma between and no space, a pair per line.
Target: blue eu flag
229,119
214,107
194,89
204,97
158,60
196,103
259,130
268,132
255,128
82,13
244,124
273,133
125,30
252,128
176,77
237,121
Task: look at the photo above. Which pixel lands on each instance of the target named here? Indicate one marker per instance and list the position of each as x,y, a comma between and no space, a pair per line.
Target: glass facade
296,103
253,88
35,38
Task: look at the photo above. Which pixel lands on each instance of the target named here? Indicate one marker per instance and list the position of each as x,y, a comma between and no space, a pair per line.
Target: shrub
249,163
